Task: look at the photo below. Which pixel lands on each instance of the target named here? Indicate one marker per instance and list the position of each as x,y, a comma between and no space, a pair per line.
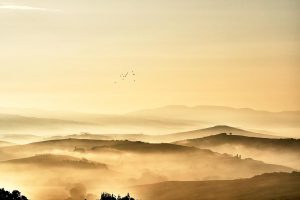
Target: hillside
213,131
169,158
51,160
165,137
141,147
274,186
279,151
72,145
292,145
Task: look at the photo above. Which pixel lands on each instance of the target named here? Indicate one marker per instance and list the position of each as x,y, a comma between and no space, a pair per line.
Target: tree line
16,195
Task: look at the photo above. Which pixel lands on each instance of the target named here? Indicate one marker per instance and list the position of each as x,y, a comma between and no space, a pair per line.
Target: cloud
26,8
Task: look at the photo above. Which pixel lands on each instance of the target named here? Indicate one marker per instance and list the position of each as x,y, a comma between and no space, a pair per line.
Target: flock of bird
126,76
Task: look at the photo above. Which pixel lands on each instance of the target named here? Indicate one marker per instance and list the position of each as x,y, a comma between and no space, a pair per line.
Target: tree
127,197
106,196
14,195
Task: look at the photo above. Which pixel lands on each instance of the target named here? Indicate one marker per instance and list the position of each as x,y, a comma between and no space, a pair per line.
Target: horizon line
146,109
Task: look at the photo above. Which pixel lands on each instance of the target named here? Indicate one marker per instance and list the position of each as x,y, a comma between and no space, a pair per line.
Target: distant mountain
66,123
187,112
287,122
162,120
14,121
166,137
51,160
271,150
263,187
17,125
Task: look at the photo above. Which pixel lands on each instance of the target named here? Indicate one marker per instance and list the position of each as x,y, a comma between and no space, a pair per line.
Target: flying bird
127,75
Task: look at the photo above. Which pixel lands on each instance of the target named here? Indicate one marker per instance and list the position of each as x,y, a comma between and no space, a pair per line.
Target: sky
68,54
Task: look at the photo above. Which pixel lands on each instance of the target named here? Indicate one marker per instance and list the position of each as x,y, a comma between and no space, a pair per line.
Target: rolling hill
169,158
72,145
166,137
274,186
51,160
213,131
271,150
141,147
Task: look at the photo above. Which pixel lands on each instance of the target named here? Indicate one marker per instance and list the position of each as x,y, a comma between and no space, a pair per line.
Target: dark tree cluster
14,195
106,196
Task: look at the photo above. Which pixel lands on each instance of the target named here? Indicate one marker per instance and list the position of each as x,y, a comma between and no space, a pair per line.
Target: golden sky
67,54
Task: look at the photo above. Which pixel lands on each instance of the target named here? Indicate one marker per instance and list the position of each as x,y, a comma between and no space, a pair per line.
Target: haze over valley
149,100
119,162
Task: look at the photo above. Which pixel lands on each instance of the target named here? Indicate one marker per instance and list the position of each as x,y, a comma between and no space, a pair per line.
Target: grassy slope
274,186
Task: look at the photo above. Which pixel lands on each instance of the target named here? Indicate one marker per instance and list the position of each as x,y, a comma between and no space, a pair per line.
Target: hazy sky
67,54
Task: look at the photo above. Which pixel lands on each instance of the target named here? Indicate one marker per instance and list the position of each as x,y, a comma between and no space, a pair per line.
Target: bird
127,75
